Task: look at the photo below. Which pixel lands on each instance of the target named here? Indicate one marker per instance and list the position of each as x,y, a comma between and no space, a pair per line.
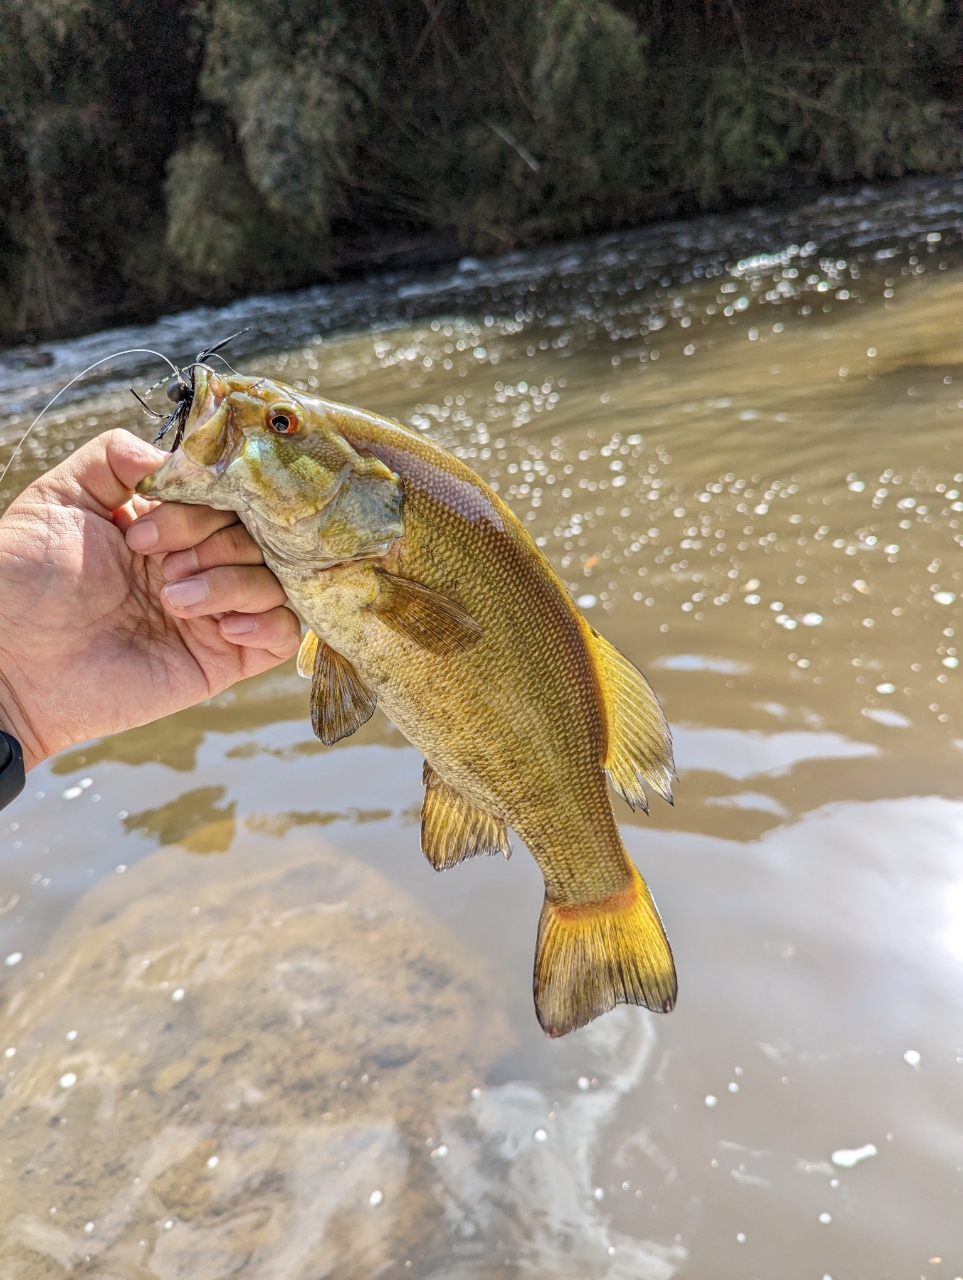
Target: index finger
175,526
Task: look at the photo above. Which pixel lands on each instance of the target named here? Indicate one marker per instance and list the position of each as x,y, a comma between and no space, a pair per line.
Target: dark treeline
156,153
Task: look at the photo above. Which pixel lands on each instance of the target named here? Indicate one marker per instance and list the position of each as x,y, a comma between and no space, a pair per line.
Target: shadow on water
194,820
737,440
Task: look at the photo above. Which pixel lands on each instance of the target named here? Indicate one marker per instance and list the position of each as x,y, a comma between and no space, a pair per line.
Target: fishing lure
181,390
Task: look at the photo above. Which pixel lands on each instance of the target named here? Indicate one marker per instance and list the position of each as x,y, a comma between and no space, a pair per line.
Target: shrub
151,155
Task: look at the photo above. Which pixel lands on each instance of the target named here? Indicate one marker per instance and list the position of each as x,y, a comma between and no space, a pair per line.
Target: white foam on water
539,1195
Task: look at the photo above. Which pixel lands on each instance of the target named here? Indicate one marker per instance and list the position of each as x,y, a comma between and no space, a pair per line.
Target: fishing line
223,361
131,351
198,361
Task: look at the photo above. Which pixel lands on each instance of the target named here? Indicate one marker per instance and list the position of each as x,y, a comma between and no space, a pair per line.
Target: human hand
100,632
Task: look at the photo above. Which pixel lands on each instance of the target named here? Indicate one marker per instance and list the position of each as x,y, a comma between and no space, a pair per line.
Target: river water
251,1033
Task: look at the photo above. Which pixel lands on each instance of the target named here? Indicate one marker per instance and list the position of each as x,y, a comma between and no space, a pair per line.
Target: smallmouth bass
425,593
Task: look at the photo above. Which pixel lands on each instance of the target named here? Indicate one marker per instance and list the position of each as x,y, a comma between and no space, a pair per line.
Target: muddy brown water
249,1032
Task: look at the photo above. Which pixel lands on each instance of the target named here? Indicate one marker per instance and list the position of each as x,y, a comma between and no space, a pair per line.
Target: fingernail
184,594
238,624
142,535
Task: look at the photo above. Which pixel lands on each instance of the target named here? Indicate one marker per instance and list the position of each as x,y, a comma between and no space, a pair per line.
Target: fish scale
532,676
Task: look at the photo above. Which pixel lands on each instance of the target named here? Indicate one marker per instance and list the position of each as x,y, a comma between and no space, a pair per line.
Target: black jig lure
180,392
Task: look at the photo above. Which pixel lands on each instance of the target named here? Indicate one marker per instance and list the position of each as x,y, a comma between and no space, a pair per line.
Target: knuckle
240,542
215,551
171,517
242,581
120,438
236,581
249,546
183,526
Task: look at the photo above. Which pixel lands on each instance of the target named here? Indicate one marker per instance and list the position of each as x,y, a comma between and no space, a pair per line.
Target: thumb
102,474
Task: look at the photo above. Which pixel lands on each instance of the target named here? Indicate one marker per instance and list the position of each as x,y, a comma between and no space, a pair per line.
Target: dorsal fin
340,700
452,828
423,615
639,741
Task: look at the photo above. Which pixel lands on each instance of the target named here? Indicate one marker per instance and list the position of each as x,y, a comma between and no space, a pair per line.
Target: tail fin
595,955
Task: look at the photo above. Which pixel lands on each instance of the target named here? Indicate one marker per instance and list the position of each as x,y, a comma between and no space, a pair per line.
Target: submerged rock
231,1068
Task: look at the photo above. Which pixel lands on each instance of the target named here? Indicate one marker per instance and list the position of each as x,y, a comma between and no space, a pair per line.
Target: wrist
16,723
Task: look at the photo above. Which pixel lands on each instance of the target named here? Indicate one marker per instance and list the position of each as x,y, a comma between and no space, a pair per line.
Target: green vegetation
156,153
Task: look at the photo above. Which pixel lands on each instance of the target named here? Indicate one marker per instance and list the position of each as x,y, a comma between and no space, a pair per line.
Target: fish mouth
209,393
191,469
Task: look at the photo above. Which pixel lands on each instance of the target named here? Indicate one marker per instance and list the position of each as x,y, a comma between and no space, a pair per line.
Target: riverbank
646,267
158,157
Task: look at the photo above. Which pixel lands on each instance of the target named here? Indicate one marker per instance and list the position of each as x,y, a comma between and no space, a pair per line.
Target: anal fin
423,615
340,700
452,828
639,741
592,956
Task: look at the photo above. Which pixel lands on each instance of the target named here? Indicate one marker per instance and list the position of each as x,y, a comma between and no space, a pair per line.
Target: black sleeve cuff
12,776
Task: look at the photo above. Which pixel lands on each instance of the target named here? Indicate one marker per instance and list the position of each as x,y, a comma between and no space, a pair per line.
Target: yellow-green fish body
425,593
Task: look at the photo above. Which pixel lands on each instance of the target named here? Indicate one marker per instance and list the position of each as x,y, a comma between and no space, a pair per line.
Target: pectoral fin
340,700
423,616
639,741
306,655
452,828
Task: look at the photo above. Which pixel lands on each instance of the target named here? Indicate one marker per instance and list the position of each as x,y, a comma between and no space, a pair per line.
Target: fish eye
283,421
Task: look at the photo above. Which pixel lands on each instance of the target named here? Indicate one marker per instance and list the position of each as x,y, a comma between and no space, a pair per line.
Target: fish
423,593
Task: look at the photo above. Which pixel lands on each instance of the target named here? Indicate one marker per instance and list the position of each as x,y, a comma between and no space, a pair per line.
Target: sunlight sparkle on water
848,1158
